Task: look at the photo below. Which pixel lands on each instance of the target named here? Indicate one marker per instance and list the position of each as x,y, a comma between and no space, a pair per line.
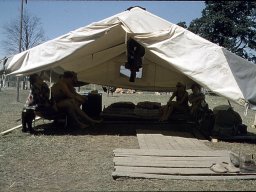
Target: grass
83,161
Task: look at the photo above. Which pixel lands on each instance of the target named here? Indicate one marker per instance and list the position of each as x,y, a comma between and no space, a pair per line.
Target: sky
60,17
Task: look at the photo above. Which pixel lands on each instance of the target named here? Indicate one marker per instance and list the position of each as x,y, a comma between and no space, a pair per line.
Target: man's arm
197,98
171,98
185,96
80,98
72,94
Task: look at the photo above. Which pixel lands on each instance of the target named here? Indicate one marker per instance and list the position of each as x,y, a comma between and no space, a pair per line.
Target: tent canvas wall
97,51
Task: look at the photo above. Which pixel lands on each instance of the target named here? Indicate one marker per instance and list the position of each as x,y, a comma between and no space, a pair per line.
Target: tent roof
97,52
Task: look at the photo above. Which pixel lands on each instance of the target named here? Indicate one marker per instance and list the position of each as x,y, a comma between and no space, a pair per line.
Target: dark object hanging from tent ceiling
135,52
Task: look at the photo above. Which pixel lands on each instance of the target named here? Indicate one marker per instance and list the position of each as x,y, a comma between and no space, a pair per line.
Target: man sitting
39,92
69,101
37,100
197,100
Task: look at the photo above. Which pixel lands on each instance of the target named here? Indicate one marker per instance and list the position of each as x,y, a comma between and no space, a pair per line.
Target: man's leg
81,114
68,107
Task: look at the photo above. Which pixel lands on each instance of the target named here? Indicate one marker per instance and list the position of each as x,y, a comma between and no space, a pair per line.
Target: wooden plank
170,171
186,140
174,152
166,164
148,138
174,171
192,137
145,159
117,174
197,144
171,145
160,155
141,141
156,139
176,144
184,153
150,142
160,140
151,138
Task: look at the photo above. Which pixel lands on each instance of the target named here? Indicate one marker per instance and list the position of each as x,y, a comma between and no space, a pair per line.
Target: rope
246,109
229,104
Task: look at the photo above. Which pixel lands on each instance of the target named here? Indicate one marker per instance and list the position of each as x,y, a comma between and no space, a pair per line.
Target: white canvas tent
173,54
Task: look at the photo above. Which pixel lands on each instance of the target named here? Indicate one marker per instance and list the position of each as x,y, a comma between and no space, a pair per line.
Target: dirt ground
83,160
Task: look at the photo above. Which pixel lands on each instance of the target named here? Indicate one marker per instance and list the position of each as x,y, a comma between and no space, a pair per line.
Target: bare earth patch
83,160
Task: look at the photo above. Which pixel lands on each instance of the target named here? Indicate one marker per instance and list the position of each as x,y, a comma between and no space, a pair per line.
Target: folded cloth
224,167
234,159
230,167
218,168
248,167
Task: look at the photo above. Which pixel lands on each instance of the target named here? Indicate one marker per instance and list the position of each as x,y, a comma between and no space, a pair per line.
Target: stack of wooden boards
163,156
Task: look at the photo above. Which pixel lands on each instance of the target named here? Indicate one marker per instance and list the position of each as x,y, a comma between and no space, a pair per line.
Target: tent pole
125,42
155,78
18,126
21,21
50,84
229,104
1,82
18,89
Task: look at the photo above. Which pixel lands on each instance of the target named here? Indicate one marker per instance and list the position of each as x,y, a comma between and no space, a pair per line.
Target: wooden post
18,89
20,40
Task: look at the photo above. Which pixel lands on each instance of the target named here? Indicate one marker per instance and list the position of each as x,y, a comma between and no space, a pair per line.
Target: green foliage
182,24
230,24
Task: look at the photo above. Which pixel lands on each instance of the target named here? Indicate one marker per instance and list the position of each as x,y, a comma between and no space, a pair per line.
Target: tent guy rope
16,127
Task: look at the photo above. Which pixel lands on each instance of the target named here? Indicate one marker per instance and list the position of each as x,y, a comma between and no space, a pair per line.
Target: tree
230,24
182,24
32,34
